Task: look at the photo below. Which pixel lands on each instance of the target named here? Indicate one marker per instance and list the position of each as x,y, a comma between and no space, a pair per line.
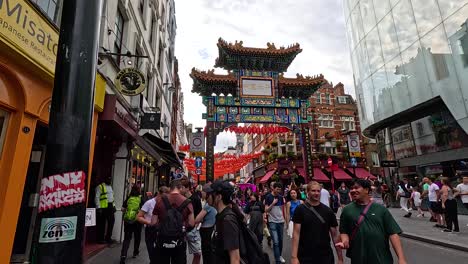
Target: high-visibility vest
103,197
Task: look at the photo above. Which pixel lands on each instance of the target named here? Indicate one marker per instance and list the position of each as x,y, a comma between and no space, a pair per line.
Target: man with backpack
173,214
234,243
130,207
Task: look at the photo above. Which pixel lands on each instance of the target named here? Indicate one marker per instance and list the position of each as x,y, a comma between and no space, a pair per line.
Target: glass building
410,65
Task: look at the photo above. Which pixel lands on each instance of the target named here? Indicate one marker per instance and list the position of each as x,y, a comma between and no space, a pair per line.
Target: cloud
317,25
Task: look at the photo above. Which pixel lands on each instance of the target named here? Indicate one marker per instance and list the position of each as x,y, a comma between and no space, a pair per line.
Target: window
348,123
161,57
49,8
328,147
375,159
153,23
3,126
327,99
342,99
141,6
325,121
119,27
319,98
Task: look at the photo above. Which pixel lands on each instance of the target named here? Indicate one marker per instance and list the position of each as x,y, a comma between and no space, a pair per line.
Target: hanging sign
151,121
57,229
198,162
354,146
130,82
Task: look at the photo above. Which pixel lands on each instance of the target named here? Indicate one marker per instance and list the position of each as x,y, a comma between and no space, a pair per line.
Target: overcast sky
317,25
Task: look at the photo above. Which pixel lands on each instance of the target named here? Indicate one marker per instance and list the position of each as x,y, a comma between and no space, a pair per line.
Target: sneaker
420,215
408,215
447,230
456,231
282,259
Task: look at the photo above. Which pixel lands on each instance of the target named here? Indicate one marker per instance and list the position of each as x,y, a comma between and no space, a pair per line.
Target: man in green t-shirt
368,243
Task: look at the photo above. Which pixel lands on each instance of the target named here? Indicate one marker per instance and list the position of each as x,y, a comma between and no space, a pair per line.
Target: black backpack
251,252
171,230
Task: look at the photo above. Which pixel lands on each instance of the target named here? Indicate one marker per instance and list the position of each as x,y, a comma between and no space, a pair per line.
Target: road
416,253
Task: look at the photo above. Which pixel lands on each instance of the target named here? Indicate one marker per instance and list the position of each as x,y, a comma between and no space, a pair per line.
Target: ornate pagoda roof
236,56
302,87
207,82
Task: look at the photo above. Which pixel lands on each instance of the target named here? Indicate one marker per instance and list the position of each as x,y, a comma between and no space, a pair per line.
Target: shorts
417,203
436,207
194,242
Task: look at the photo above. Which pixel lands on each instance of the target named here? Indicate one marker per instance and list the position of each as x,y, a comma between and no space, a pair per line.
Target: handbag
360,220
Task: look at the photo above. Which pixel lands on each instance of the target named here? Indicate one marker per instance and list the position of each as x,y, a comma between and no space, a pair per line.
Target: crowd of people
220,223
439,197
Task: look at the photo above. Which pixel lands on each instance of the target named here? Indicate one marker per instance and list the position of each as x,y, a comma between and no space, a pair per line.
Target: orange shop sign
26,31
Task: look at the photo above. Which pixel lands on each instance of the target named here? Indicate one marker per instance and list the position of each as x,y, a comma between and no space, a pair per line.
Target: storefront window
3,127
438,132
383,144
403,142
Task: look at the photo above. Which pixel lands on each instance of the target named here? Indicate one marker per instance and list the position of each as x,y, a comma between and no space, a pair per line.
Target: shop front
27,68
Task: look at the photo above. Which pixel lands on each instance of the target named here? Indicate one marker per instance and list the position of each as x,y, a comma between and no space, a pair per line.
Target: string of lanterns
261,130
224,164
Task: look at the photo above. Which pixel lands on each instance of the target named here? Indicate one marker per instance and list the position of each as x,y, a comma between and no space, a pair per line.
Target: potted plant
274,144
289,141
291,154
281,156
272,157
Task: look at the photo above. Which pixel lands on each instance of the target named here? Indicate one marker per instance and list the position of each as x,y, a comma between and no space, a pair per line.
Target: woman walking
376,193
255,209
290,209
449,204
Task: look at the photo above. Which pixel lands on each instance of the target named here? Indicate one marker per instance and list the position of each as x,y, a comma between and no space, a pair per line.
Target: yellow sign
197,154
355,154
26,31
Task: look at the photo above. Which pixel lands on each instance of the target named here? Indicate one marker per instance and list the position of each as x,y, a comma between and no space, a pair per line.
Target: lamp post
62,217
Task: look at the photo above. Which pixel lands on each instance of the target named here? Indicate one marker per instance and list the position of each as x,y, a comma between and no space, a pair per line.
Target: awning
318,175
341,175
165,149
362,173
267,176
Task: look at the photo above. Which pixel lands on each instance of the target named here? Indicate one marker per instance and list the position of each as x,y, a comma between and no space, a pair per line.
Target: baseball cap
223,187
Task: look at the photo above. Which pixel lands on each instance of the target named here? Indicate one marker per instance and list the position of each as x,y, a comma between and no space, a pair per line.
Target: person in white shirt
435,205
462,189
416,197
105,209
144,216
324,196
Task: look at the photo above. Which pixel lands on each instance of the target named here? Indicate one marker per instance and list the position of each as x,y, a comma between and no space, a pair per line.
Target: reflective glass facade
404,53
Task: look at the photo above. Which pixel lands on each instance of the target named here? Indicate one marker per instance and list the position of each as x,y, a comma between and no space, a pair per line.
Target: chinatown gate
255,91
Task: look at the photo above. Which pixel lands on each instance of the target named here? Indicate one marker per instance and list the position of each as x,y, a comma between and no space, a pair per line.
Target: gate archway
255,91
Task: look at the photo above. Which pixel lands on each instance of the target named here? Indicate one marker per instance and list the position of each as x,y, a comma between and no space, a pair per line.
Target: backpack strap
183,205
360,220
166,202
312,209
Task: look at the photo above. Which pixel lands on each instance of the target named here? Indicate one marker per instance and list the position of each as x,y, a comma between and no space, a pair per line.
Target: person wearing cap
366,228
206,219
226,235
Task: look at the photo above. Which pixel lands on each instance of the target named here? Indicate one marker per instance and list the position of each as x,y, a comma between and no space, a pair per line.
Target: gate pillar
210,143
307,150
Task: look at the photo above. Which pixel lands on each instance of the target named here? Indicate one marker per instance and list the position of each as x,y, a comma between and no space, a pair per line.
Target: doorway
24,235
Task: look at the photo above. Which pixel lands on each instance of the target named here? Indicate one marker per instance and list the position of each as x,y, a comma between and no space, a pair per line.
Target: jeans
404,204
150,240
129,231
451,215
276,230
